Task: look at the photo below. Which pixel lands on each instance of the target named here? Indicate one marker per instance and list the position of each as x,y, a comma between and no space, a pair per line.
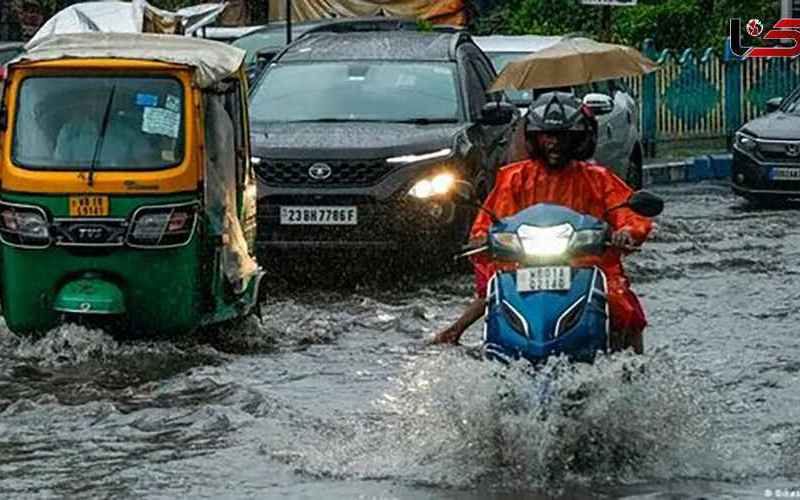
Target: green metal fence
707,95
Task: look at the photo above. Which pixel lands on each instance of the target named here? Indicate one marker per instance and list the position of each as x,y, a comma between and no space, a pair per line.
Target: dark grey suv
359,139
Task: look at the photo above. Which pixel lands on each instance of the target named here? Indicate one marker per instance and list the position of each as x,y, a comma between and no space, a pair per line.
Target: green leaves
672,24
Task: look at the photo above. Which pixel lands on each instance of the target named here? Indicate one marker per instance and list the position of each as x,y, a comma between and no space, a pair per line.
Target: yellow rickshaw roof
212,61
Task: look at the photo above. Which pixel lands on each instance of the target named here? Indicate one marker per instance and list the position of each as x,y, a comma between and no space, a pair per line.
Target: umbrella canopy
572,61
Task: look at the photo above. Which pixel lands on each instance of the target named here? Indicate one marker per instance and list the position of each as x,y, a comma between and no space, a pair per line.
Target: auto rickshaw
127,193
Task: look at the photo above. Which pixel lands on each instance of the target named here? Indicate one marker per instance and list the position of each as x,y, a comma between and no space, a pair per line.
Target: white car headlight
433,186
745,141
545,241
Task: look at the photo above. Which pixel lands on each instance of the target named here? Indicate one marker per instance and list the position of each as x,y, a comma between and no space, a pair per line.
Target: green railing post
649,131
733,93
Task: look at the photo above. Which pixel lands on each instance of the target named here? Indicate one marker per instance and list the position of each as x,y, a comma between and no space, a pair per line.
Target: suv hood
777,125
343,141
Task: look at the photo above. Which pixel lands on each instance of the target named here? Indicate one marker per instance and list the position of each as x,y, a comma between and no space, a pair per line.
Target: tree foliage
673,24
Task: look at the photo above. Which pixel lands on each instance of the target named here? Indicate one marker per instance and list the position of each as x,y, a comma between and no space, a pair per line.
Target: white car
619,142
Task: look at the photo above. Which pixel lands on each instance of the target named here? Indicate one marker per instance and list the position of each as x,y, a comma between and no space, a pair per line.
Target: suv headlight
433,186
545,241
23,226
746,142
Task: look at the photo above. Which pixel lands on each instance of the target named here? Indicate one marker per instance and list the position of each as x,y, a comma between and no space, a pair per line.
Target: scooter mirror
646,203
466,191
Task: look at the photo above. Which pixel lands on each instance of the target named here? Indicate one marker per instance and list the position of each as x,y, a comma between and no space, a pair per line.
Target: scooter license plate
533,279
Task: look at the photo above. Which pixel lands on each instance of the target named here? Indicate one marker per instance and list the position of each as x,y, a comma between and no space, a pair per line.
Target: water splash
451,420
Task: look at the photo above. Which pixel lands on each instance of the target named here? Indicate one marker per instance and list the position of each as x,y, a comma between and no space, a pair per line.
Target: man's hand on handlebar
622,239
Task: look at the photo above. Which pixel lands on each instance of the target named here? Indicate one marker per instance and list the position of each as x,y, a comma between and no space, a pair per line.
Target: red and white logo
754,27
783,40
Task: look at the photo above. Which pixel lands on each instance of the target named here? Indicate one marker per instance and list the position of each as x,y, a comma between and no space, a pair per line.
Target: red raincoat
584,187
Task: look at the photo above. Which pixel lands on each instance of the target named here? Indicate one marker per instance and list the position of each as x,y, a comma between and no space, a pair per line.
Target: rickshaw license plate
319,216
533,279
91,206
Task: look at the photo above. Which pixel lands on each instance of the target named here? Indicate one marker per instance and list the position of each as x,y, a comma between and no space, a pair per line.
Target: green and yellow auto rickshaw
127,194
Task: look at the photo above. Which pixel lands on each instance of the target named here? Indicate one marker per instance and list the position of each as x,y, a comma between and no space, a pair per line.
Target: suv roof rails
364,24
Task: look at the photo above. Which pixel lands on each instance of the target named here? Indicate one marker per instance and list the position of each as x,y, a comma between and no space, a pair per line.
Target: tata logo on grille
319,171
793,149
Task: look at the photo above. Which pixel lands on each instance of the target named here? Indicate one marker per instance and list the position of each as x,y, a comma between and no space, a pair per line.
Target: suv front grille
342,173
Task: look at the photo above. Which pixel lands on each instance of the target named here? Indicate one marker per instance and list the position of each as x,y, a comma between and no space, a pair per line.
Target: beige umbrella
572,61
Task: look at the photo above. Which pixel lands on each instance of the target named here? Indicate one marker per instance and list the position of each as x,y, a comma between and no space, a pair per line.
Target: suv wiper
427,121
98,146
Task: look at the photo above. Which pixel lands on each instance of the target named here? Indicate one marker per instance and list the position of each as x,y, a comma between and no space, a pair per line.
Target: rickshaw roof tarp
137,16
213,61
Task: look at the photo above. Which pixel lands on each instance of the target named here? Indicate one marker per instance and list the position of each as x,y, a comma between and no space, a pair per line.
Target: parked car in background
358,139
226,34
766,153
262,44
8,51
619,140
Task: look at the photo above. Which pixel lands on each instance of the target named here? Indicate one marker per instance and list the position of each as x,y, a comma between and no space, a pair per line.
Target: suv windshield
357,91
59,121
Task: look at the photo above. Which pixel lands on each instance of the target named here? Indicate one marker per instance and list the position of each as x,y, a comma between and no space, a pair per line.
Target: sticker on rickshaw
88,206
161,121
173,103
146,100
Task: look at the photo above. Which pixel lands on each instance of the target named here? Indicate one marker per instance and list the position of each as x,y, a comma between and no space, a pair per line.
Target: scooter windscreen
546,233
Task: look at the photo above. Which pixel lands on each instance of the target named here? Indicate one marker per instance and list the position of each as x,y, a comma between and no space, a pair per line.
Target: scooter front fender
90,295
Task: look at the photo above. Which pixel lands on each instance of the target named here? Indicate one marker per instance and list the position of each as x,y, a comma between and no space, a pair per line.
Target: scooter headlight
545,241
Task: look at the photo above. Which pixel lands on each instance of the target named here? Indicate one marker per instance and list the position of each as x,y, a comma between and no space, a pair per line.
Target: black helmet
563,112
555,111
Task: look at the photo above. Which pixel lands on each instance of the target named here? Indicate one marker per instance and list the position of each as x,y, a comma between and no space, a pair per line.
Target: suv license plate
533,279
785,174
319,216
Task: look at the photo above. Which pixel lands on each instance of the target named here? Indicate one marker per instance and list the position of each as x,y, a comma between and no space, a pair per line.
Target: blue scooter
547,306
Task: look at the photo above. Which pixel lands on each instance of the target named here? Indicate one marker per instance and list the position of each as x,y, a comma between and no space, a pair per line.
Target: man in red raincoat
561,134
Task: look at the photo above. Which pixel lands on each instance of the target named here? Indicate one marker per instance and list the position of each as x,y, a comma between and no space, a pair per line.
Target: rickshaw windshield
108,123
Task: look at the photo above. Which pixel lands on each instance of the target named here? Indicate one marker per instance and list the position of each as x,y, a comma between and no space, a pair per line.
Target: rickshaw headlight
23,226
165,226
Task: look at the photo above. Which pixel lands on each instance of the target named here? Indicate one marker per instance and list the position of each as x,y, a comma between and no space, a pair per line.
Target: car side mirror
774,104
497,113
645,203
600,104
265,56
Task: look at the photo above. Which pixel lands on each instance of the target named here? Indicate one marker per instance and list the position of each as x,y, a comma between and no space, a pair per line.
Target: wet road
333,394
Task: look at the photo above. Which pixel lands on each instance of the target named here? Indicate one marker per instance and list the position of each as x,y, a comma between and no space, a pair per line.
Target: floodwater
334,394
